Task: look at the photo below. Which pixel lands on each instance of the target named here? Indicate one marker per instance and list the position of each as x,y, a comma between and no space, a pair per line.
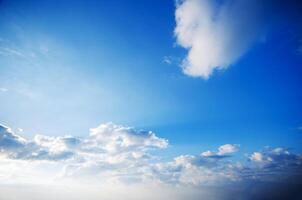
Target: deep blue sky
76,64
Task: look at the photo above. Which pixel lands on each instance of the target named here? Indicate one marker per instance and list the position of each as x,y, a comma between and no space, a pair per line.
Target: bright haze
163,99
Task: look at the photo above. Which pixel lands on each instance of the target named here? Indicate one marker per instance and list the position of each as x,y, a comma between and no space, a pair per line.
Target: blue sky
100,61
207,79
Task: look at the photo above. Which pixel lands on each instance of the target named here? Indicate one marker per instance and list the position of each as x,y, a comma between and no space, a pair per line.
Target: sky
186,93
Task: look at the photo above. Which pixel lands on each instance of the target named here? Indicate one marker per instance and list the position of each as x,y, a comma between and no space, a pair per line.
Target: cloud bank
217,33
118,156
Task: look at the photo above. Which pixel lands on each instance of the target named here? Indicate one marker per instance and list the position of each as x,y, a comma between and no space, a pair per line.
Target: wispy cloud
34,48
3,89
167,60
16,51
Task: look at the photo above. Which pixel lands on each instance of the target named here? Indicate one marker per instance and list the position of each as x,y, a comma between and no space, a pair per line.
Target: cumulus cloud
114,155
276,160
196,171
9,141
223,151
109,139
108,147
216,34
115,138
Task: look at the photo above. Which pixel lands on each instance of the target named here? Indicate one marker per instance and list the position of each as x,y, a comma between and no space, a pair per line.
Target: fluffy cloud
223,151
217,33
115,153
114,138
9,140
14,146
196,171
110,150
276,160
107,139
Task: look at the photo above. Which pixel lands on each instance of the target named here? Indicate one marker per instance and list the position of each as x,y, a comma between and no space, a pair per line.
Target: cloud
25,48
227,149
116,156
196,171
109,150
276,159
216,34
167,60
117,138
114,143
10,141
223,151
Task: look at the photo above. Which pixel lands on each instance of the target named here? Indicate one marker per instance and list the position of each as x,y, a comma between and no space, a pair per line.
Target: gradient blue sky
67,66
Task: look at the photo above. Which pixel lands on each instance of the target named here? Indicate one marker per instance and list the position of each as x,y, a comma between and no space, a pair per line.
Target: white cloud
196,171
119,154
108,147
223,151
276,158
9,140
257,157
227,149
115,138
216,34
108,143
